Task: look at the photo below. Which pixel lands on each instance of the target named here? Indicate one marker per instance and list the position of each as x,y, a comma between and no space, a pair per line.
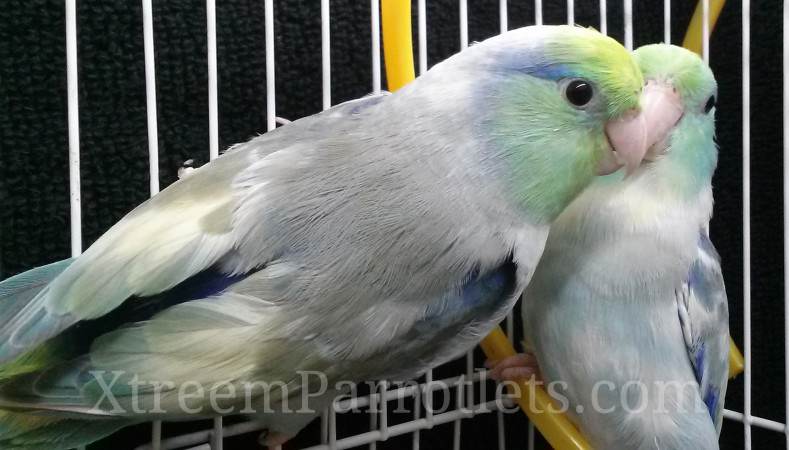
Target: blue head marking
549,71
531,61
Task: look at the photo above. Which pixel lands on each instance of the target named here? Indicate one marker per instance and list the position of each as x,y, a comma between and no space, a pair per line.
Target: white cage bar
747,420
150,97
422,393
213,94
786,208
73,127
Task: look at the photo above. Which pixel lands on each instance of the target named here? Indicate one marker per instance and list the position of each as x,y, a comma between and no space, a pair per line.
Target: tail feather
16,295
21,288
20,431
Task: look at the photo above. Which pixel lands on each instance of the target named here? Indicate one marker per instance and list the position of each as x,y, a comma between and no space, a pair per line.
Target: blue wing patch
481,295
704,318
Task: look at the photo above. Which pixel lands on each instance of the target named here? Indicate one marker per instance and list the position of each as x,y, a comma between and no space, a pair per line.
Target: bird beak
639,131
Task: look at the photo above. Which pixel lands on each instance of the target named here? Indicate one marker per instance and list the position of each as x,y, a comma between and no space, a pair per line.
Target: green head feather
552,146
689,162
588,54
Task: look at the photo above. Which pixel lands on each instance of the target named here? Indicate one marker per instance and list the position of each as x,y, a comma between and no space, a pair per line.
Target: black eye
710,104
578,92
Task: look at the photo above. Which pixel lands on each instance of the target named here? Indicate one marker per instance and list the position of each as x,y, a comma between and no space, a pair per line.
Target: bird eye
578,92
710,104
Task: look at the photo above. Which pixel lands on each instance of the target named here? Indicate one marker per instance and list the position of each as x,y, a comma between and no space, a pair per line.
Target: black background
34,199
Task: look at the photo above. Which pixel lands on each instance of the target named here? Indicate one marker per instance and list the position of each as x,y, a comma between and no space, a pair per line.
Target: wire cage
404,416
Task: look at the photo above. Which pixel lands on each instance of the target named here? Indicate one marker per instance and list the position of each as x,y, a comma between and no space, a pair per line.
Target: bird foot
520,367
273,439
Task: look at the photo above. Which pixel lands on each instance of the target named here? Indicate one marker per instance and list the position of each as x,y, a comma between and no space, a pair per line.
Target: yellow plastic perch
693,42
534,401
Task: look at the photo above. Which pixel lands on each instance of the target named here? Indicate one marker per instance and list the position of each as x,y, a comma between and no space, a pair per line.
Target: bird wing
704,317
185,229
245,336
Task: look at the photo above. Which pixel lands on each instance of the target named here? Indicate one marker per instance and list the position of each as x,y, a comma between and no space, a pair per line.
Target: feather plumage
373,240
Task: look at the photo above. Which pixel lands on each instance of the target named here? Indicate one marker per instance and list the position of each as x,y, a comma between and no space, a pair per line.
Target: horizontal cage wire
468,399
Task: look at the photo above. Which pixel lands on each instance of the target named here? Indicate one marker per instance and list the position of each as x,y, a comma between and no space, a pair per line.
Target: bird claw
273,439
520,367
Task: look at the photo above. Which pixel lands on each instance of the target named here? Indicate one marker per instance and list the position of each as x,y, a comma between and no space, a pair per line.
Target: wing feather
178,233
704,316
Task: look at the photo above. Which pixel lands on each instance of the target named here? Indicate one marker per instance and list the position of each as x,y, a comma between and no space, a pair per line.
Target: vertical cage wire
501,431
217,436
463,5
213,113
325,54
570,12
332,426
156,435
383,427
153,134
538,12
628,9
375,44
667,21
785,27
325,426
457,427
705,31
150,97
421,35
72,82
463,45
746,214
374,401
503,15
603,17
417,410
271,100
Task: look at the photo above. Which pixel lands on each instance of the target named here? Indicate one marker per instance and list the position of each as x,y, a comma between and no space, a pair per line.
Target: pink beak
633,134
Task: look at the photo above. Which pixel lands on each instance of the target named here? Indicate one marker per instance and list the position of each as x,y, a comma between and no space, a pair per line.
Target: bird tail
39,431
16,293
20,289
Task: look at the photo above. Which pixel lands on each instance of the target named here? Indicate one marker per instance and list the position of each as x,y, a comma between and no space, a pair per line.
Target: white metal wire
603,17
570,12
374,401
150,97
325,54
531,434
422,35
72,83
271,102
705,30
746,214
628,11
156,435
463,5
153,134
417,410
325,426
761,422
217,437
538,12
667,21
375,44
786,208
503,15
213,95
